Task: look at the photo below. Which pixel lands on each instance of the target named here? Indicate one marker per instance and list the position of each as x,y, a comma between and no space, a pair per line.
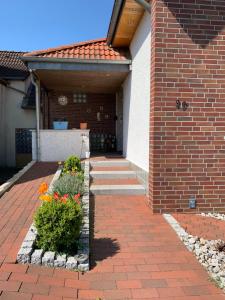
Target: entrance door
119,122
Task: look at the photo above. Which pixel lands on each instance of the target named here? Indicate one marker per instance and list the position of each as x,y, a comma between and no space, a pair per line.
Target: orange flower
63,200
46,198
43,188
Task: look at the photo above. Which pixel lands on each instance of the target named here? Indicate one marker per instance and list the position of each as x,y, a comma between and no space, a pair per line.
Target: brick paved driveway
135,255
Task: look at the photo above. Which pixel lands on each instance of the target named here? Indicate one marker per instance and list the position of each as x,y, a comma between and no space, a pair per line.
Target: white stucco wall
57,145
136,98
119,122
2,125
15,117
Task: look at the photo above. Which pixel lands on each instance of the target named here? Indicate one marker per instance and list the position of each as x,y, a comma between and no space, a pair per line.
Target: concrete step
117,189
110,163
118,181
112,174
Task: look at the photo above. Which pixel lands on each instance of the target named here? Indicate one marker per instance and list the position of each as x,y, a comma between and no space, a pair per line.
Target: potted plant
83,125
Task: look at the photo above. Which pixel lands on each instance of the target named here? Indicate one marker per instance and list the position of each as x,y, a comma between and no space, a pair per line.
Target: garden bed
210,253
30,253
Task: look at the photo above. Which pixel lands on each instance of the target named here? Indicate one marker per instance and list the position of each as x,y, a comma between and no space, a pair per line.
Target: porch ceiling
82,81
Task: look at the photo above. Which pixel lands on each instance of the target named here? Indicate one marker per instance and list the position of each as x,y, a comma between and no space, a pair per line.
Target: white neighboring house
17,110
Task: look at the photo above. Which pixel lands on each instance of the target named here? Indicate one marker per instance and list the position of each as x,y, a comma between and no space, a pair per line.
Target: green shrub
69,184
58,225
72,164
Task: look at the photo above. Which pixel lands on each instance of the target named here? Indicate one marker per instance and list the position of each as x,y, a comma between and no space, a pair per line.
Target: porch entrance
96,111
74,91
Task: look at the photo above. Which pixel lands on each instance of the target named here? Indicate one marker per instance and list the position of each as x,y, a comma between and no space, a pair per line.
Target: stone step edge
116,186
108,163
117,190
112,174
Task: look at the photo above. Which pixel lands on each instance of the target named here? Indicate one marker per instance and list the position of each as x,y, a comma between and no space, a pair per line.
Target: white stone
202,241
27,244
83,267
31,236
24,255
81,258
71,263
60,261
48,259
37,256
192,240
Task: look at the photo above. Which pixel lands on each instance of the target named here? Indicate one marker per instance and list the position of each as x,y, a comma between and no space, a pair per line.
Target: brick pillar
187,148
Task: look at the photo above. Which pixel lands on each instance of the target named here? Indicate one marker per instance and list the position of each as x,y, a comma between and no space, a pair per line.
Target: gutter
75,60
37,100
117,8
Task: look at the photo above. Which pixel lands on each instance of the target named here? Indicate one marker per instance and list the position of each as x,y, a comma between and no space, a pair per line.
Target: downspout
37,101
144,4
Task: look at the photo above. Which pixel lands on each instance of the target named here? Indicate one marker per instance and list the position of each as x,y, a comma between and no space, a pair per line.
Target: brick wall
75,113
187,148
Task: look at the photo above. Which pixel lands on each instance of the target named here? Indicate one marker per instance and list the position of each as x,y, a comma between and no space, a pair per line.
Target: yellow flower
46,198
43,188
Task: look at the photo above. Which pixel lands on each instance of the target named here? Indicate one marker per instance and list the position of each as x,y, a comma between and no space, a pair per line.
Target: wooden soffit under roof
129,19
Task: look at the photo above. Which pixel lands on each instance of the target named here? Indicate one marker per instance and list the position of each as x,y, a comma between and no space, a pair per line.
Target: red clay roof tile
94,49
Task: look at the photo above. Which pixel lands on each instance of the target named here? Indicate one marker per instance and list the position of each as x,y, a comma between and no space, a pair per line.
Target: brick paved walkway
135,255
208,228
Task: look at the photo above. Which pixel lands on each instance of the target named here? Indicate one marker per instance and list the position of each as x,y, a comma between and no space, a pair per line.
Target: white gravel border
5,186
80,262
217,216
205,251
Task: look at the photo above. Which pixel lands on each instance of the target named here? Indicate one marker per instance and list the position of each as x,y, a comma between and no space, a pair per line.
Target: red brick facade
76,113
187,148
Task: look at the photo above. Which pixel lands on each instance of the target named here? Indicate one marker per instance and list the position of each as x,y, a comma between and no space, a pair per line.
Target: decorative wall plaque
62,100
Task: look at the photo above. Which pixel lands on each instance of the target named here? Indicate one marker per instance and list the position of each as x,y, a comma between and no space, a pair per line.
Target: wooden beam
128,23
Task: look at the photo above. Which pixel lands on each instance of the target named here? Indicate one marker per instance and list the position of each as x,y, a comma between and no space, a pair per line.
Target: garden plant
59,219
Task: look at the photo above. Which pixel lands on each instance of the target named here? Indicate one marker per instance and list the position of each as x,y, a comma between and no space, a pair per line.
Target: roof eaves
74,60
117,9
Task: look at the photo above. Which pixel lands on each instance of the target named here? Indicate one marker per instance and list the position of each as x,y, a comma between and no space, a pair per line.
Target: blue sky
31,25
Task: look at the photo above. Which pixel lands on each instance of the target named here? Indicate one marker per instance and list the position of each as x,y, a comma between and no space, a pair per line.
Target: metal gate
23,146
